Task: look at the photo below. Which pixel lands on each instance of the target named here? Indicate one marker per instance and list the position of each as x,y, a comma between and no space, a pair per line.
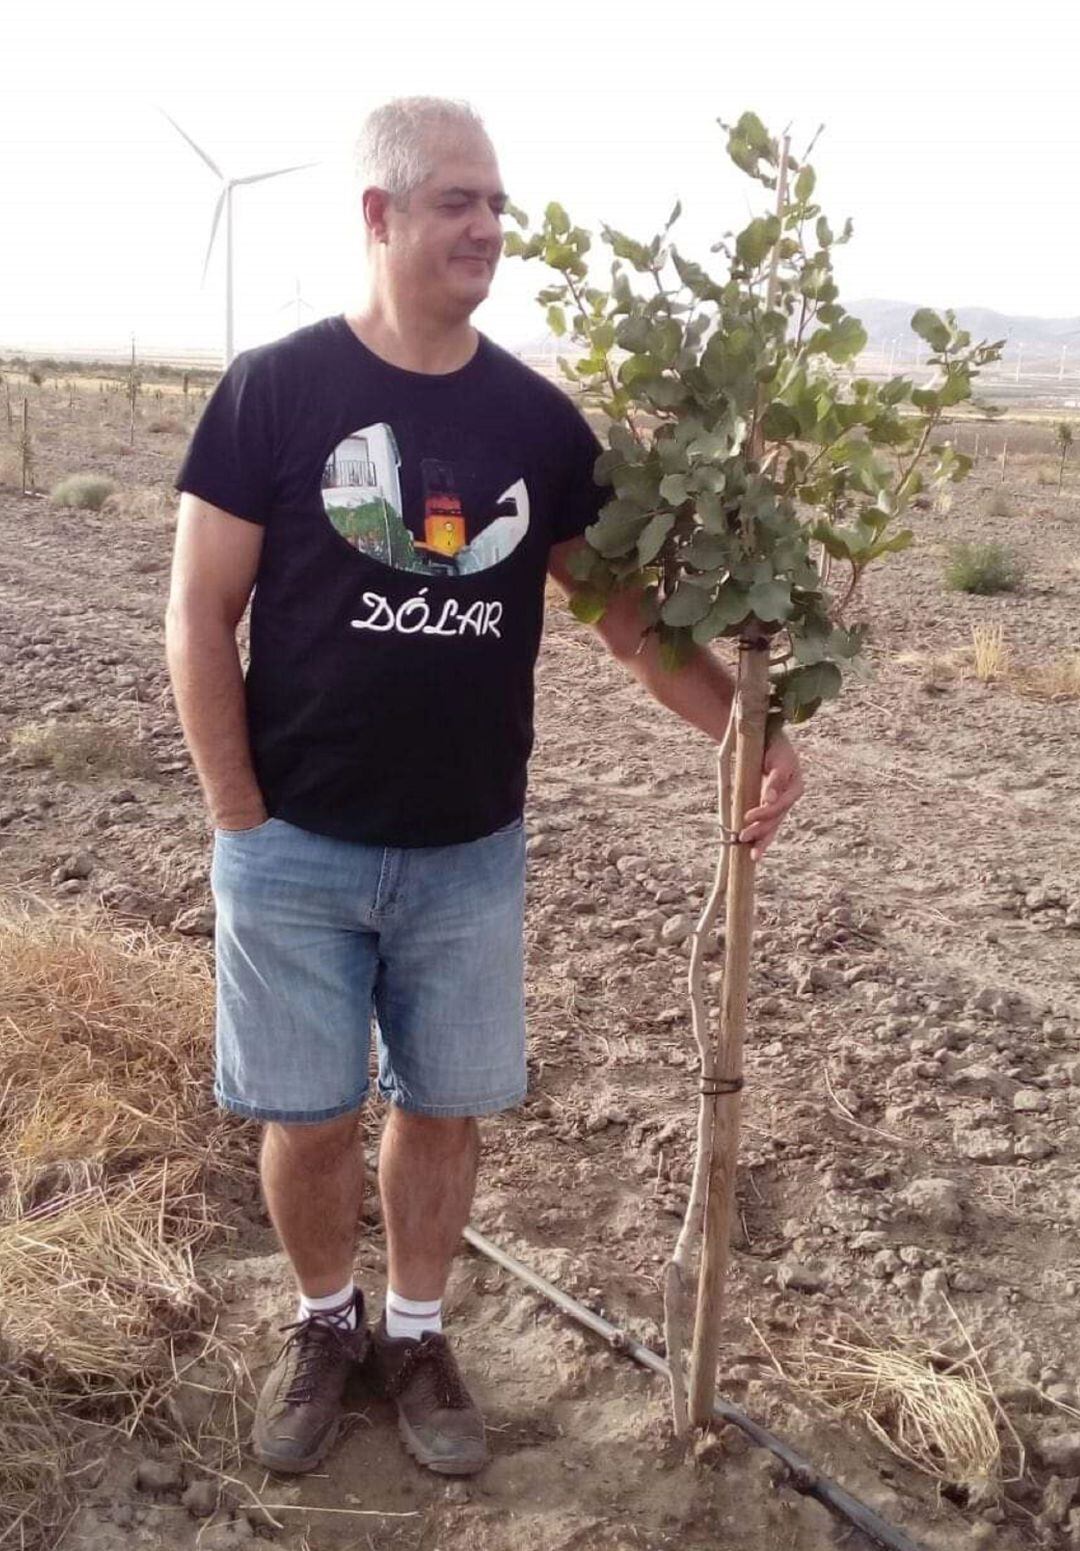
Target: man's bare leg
427,1176
313,1183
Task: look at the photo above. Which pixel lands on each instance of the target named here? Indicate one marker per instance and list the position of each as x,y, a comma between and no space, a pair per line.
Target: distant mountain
888,320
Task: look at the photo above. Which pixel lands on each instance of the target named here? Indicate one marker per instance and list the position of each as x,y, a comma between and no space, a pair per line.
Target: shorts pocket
238,834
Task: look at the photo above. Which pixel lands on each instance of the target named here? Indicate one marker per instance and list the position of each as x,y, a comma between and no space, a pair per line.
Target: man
396,488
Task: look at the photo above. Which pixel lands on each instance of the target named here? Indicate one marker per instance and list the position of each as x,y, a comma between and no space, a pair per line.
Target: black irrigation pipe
805,1477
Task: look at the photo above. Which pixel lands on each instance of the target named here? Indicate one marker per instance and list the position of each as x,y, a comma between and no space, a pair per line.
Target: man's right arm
215,560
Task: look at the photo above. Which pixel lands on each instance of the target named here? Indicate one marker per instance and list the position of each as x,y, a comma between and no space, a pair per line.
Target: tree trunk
751,709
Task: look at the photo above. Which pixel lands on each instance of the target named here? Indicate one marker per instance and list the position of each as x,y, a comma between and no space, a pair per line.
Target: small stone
934,1285
1035,1145
1029,1101
78,865
676,930
1060,1452
540,845
1058,1497
795,1277
985,1147
457,1492
158,1475
195,921
935,1199
885,1263
869,1240
200,1499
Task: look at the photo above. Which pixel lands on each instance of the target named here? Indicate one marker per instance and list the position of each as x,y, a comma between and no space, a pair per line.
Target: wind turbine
225,202
297,301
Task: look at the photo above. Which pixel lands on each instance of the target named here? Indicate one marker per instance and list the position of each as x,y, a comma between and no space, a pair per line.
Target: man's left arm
700,692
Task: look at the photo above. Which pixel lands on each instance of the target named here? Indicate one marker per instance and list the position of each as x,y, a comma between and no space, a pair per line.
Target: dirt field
910,1128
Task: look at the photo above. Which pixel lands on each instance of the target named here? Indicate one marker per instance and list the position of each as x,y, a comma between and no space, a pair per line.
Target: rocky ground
910,1134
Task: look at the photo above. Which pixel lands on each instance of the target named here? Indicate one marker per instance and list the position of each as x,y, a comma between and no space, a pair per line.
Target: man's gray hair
396,148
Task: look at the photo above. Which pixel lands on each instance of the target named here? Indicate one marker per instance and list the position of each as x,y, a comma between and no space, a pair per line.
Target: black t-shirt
399,599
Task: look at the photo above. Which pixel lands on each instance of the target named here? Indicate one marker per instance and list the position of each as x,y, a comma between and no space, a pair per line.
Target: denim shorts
315,935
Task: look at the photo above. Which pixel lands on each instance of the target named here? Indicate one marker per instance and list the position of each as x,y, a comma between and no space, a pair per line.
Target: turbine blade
258,177
213,166
213,232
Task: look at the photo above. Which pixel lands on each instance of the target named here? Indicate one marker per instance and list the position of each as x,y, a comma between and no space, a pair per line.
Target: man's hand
781,788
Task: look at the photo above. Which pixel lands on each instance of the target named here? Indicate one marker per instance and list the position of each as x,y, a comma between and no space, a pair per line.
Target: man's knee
321,1140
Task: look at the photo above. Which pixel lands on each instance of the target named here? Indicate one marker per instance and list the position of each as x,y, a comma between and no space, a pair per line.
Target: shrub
88,492
999,504
982,568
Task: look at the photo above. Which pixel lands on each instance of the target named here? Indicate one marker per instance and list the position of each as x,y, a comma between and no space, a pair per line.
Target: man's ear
376,203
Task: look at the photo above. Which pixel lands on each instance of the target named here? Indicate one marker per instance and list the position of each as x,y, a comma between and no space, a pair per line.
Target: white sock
406,1318
335,1309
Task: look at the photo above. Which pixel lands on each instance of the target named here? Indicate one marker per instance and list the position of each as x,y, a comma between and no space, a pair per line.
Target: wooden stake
1004,458
751,709
725,1081
27,460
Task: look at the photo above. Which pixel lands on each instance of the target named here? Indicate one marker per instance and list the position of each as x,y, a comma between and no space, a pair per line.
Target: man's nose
486,227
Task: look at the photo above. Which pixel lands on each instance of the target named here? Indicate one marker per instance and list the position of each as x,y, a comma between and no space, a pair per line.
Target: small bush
166,425
88,492
999,504
982,568
81,749
1046,477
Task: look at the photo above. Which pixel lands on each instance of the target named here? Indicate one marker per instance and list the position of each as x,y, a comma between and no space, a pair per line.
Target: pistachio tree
754,474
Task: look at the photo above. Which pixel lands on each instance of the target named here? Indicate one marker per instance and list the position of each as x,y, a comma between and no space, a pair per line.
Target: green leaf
676,648
685,606
632,333
729,610
588,605
556,320
930,327
513,246
707,550
756,241
804,184
779,423
824,233
673,489
557,218
652,539
804,686
618,528
674,216
770,600
635,253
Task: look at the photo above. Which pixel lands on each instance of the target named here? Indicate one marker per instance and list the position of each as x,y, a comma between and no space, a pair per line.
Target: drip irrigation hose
805,1477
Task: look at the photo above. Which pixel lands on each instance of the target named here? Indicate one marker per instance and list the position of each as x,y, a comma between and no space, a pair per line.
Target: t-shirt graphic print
362,496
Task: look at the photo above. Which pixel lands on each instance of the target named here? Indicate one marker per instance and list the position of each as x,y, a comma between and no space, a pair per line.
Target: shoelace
317,1343
432,1360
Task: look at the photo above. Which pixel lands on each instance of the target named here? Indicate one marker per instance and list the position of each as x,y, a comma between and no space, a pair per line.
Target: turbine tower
225,202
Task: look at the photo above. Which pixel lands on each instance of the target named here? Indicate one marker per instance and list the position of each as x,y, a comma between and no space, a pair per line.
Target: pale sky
951,139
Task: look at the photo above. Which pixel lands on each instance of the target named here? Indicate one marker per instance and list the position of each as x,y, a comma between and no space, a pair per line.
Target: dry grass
82,750
142,503
936,1413
1055,680
988,659
108,1135
990,653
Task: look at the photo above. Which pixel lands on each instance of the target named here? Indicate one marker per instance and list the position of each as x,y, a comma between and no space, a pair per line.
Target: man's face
444,247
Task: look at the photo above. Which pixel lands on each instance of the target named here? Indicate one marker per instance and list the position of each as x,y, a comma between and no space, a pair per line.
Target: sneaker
300,1407
438,1419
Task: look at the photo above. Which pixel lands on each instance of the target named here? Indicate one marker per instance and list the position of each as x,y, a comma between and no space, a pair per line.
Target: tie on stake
805,1477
